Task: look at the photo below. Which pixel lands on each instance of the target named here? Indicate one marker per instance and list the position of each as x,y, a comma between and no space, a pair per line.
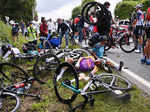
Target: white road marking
136,79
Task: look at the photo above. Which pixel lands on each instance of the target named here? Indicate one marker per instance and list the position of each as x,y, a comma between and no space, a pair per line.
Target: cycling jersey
140,18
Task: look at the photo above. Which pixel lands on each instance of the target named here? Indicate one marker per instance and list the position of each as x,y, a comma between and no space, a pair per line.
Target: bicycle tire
42,67
127,44
84,11
86,8
61,95
124,84
12,73
47,46
6,103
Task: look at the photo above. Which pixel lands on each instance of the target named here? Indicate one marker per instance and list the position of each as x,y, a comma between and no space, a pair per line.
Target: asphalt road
131,61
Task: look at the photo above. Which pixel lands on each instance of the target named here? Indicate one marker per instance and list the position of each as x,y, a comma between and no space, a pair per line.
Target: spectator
31,33
15,32
80,26
22,26
36,26
50,26
43,28
64,31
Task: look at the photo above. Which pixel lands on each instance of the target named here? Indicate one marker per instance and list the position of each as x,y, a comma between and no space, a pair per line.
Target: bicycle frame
118,34
90,83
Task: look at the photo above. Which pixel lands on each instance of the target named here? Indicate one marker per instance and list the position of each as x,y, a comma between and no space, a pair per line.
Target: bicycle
16,80
9,102
120,36
47,63
43,65
101,17
66,85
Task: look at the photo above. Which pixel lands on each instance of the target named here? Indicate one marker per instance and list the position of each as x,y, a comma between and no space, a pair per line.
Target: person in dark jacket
63,29
80,26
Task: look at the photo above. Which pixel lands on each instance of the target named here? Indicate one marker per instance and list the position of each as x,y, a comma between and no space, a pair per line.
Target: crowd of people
34,30
77,28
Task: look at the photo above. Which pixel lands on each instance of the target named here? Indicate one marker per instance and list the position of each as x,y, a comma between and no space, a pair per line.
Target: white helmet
139,6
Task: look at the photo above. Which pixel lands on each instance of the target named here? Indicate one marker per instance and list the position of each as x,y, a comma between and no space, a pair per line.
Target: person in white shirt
50,26
36,25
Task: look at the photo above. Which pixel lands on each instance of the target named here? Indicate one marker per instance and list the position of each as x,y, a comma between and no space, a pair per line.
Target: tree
146,4
76,11
124,9
17,9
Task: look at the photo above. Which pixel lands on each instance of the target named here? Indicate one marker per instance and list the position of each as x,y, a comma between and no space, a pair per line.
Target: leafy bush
146,4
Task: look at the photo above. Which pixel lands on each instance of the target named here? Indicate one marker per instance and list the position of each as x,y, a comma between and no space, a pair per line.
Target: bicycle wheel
127,44
9,102
43,66
115,81
98,10
12,74
66,74
47,46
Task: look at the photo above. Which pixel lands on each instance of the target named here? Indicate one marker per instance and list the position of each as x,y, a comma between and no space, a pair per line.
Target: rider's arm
94,70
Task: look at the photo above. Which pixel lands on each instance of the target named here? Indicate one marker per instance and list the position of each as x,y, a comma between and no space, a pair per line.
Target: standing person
31,33
74,27
22,26
138,27
146,53
15,31
80,26
43,28
36,26
50,26
64,31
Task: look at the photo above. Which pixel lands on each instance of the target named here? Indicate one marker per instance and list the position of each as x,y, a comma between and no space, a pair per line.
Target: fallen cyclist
89,64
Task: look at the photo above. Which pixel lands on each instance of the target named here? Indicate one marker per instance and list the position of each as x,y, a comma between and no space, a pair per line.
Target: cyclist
88,63
146,54
138,27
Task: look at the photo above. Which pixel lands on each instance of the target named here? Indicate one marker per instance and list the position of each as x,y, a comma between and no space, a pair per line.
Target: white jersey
36,26
140,18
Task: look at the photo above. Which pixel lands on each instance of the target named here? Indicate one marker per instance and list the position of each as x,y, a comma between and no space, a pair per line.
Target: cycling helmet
139,6
86,64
